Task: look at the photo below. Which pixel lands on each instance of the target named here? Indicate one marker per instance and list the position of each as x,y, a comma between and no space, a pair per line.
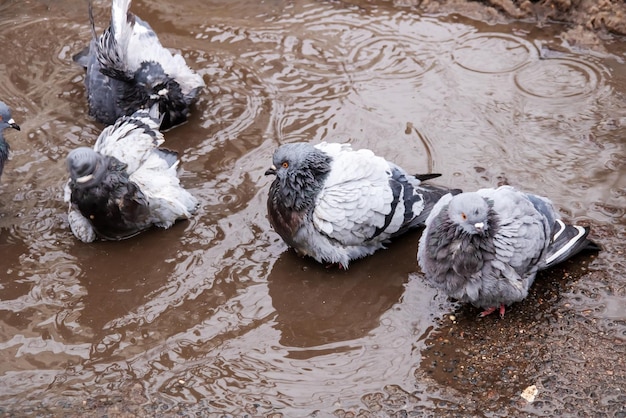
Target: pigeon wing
144,46
158,181
523,233
356,200
131,139
102,91
111,47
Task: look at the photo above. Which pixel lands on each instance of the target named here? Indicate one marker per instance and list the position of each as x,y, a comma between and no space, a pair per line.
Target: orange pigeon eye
463,216
285,164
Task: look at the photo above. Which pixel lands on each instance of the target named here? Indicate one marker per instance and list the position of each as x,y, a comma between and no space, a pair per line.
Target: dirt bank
588,24
598,15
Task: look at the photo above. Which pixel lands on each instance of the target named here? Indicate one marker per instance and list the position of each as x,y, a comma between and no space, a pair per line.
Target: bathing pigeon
486,247
335,204
128,69
6,121
125,184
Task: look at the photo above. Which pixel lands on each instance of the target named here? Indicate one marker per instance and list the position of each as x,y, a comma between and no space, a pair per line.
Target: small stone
452,318
529,393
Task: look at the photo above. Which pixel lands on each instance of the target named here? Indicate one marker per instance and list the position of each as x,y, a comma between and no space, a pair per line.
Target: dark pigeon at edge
6,121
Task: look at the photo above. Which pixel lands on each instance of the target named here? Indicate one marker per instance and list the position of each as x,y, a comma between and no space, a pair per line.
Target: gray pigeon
486,247
6,121
128,69
125,184
335,204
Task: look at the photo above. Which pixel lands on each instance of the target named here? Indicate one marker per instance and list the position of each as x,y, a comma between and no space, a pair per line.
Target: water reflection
317,306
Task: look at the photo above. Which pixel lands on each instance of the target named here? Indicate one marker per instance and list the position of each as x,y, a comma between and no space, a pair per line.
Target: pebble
529,393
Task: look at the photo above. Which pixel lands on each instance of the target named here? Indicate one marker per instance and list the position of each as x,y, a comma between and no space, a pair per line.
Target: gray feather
486,247
336,204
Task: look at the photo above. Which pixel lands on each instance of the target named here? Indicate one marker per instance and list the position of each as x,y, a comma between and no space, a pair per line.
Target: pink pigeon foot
491,310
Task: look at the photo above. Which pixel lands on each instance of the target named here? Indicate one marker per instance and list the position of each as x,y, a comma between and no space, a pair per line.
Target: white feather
139,43
160,184
128,142
356,195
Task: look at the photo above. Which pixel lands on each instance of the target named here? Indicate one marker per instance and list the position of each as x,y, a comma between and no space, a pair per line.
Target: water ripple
557,78
378,56
493,53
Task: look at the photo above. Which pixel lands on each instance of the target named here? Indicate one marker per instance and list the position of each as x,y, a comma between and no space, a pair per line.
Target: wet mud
216,316
584,24
605,15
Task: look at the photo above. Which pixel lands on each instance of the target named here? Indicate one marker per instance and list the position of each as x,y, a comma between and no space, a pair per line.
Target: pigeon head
86,166
470,212
156,82
150,74
6,121
300,171
155,86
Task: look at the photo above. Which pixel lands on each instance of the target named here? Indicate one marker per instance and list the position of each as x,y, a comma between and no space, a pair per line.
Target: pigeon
125,184
486,247
335,204
127,69
6,121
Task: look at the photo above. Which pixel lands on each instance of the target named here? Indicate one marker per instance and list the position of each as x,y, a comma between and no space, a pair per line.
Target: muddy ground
596,15
588,22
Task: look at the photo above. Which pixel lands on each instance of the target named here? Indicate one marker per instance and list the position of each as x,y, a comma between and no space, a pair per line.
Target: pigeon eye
285,164
463,216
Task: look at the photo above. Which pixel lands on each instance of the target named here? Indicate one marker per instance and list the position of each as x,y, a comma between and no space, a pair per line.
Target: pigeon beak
480,226
13,125
271,170
84,179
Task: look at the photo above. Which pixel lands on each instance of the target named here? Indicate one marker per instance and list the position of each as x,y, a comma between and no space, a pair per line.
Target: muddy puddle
215,315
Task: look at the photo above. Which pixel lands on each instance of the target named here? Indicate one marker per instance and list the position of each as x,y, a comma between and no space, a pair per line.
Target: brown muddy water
215,315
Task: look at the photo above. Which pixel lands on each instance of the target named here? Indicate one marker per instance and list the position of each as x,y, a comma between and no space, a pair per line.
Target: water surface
215,314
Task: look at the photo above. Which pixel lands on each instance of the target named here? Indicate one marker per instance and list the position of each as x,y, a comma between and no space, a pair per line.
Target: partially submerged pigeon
486,247
127,69
335,204
6,121
125,184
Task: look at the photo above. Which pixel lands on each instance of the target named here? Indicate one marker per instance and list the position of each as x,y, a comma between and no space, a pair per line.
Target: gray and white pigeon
336,204
127,69
125,184
6,121
486,247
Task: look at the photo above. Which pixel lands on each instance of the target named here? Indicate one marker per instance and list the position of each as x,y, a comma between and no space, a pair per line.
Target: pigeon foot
491,310
339,266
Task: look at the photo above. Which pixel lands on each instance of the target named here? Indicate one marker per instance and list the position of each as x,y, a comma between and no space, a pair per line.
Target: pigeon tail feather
567,241
121,21
427,176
